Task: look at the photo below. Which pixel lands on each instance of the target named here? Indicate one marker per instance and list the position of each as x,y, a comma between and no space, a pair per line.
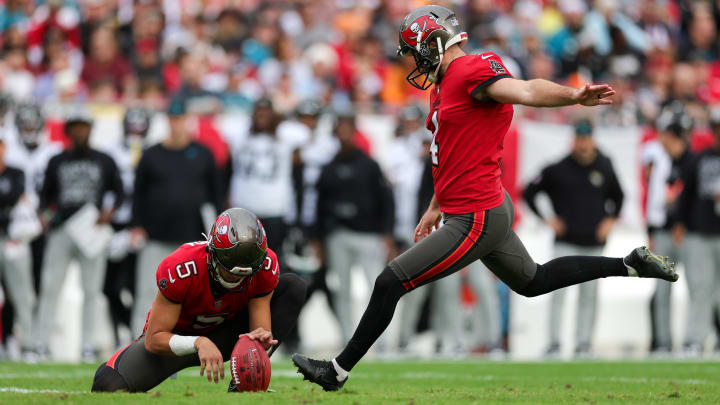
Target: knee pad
107,379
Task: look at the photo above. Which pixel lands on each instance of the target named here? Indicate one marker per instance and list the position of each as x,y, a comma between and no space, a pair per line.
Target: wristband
182,345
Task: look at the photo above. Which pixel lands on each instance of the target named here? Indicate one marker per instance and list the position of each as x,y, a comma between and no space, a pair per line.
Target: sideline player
209,293
470,112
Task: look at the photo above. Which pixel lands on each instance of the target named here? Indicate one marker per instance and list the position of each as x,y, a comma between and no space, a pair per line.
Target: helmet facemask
136,123
231,278
30,137
237,248
29,122
425,68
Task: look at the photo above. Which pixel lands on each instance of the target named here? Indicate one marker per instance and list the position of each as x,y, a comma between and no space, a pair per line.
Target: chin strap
433,76
418,41
226,284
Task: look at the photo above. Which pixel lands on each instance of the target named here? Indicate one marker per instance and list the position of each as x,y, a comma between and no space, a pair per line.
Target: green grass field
462,382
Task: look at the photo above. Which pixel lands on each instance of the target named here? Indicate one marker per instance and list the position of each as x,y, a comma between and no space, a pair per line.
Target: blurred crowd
227,54
295,74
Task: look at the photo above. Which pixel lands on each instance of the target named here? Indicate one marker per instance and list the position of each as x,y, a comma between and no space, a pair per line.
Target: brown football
250,365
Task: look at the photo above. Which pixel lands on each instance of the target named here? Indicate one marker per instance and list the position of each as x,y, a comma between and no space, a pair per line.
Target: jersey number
204,321
269,264
186,269
433,145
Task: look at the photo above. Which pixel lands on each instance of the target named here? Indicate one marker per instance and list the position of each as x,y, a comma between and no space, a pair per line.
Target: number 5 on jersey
433,145
184,270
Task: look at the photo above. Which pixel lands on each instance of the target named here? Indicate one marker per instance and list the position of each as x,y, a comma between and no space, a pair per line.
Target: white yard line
47,374
646,380
18,390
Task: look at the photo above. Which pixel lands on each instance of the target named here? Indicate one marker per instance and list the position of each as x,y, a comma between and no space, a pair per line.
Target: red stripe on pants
464,247
111,363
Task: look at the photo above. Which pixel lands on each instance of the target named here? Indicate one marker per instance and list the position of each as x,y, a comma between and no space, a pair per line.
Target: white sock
341,374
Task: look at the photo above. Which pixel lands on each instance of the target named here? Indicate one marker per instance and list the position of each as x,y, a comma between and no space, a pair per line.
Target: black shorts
485,235
134,369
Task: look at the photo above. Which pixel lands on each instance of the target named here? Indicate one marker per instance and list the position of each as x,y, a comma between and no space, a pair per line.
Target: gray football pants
702,268
486,235
587,299
60,250
16,271
135,369
345,249
149,259
664,246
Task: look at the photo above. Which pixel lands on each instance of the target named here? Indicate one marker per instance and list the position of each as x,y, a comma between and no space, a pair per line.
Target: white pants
702,268
16,271
664,246
447,314
487,309
59,251
587,299
146,289
346,249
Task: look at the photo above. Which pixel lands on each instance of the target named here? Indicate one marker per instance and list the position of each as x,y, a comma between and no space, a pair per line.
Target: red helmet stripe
220,236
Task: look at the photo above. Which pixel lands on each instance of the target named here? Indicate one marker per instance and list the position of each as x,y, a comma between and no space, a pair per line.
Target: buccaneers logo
496,67
420,29
220,235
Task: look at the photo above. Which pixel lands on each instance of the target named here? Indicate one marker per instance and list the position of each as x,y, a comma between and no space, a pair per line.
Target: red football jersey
468,135
183,278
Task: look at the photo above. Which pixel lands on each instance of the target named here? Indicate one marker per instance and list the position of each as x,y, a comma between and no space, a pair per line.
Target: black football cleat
641,262
232,387
320,372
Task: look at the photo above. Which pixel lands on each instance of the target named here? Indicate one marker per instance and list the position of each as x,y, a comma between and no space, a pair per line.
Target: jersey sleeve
484,70
268,277
169,282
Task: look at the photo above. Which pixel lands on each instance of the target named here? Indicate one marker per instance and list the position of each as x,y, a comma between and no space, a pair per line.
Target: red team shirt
183,278
468,135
